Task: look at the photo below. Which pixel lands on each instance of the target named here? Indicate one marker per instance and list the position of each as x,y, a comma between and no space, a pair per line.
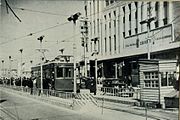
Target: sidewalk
109,109
127,105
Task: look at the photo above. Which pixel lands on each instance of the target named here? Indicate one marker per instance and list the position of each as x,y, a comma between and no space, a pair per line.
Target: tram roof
53,62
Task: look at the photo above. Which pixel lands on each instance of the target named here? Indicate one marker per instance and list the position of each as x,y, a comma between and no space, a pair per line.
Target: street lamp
21,50
95,53
74,18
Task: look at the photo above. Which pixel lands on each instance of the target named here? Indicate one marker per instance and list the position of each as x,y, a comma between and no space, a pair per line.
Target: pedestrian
31,85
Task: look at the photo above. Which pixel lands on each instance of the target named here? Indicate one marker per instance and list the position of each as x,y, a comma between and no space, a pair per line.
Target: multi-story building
124,31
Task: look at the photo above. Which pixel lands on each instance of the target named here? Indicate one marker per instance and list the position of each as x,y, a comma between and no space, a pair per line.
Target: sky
40,17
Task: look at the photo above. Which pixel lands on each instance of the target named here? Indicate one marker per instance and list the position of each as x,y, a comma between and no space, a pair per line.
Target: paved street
14,107
18,107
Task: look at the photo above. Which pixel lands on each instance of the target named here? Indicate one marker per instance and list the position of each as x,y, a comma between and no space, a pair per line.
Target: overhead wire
63,41
32,33
8,6
36,11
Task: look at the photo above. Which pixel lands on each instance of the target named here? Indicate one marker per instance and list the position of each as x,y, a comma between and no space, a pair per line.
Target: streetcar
56,75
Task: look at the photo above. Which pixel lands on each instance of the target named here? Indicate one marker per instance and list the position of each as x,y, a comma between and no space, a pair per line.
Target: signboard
157,36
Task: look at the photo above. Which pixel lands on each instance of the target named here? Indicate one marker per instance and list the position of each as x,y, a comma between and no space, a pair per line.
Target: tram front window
68,72
59,72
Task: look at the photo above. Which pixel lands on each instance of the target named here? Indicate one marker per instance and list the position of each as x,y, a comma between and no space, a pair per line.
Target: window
124,34
105,44
151,79
129,32
136,30
68,72
168,78
149,9
156,24
59,71
105,17
109,15
114,23
147,83
129,19
114,14
114,20
107,2
136,17
142,9
115,43
123,18
110,43
91,46
111,1
166,13
94,27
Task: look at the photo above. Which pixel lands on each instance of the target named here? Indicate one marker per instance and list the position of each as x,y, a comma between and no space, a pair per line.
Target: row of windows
110,44
150,75
64,72
109,2
149,14
108,23
143,14
151,81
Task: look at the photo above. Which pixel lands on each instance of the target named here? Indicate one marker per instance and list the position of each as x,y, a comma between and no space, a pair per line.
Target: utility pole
74,18
42,51
21,50
2,69
84,32
10,69
95,53
148,22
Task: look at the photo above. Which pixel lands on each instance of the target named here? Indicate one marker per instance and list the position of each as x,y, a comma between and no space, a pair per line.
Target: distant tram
56,75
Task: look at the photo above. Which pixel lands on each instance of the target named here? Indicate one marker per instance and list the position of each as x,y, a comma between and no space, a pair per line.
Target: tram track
8,113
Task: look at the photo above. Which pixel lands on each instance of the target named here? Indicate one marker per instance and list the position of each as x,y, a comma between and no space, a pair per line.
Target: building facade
123,32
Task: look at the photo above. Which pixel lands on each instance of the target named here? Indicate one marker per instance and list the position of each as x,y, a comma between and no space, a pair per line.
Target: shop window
59,72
